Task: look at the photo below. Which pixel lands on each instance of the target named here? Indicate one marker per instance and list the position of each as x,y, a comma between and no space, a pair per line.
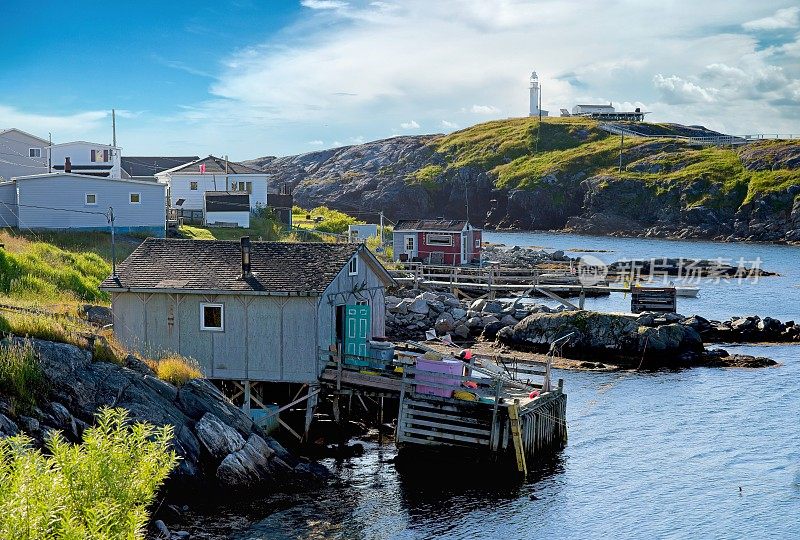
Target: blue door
357,324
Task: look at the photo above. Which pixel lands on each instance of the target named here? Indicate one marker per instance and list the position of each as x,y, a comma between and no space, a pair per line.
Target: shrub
175,370
99,489
21,375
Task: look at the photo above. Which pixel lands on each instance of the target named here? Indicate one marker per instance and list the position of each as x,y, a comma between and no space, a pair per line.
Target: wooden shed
247,311
437,241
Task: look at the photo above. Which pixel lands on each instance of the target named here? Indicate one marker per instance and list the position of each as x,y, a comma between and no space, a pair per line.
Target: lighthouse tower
535,97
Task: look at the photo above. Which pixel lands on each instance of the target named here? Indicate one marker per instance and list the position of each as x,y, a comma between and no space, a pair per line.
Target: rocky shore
652,339
221,450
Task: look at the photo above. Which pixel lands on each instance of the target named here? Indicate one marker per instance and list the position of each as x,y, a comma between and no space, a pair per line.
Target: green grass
264,225
575,148
426,176
21,377
323,219
99,489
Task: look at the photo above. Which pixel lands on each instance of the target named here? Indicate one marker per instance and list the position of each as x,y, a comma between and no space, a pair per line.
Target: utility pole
110,217
50,153
539,127
113,128
381,230
621,142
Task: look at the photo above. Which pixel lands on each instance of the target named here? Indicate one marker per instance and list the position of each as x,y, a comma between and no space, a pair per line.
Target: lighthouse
535,97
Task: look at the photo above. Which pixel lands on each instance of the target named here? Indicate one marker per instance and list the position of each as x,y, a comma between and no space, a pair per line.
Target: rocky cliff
562,174
221,450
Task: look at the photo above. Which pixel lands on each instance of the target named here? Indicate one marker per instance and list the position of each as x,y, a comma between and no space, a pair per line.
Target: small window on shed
477,242
212,317
352,268
136,198
439,239
35,152
91,198
193,186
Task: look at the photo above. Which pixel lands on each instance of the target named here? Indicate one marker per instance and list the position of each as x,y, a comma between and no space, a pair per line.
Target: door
357,323
410,243
464,248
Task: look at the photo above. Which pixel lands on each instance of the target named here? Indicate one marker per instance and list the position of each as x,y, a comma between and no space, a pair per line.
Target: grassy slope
507,148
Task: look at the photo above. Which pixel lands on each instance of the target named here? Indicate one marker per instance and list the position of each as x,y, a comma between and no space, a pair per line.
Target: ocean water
701,453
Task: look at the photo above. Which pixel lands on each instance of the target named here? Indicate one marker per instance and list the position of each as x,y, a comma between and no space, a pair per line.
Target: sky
279,77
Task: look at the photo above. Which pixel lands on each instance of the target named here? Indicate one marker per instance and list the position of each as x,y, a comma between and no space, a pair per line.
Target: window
246,186
34,152
212,317
477,242
91,198
352,267
136,198
193,186
99,156
438,239
409,244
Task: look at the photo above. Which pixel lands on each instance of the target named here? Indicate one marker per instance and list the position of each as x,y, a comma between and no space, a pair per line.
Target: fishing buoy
533,394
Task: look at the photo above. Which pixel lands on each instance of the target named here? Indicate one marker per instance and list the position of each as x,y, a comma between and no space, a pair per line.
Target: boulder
508,320
458,313
217,438
461,331
444,323
419,305
7,427
452,302
493,307
489,319
474,322
478,305
248,466
490,330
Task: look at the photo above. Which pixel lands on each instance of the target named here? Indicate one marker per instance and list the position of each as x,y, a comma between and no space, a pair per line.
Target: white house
21,153
86,158
68,201
187,183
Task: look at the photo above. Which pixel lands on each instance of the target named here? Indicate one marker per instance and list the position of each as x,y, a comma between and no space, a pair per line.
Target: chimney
245,244
67,165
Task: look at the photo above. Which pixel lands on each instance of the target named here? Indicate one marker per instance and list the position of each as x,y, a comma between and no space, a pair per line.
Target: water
650,455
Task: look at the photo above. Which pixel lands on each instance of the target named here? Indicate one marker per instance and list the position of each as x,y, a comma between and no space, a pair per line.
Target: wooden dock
488,410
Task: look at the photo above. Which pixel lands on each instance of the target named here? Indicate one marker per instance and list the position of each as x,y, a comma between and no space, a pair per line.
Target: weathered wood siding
265,338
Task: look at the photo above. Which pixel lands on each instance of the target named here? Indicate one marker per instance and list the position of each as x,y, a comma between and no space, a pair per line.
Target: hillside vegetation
562,173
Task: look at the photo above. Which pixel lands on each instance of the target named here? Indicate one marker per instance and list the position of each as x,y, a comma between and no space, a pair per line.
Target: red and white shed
437,241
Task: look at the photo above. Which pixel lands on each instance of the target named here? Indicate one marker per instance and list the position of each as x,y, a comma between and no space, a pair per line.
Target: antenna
114,127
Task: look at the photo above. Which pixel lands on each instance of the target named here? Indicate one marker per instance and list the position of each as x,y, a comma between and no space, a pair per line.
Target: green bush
21,377
100,489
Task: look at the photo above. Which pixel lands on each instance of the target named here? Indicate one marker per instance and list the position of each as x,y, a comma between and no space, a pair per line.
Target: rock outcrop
604,337
220,447
668,188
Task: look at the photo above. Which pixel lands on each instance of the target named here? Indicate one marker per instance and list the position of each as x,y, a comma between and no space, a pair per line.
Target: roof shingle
215,265
214,165
453,225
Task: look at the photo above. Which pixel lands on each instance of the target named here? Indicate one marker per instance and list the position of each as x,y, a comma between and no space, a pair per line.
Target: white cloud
783,18
82,125
367,67
324,4
409,125
484,109
316,142
449,125
676,90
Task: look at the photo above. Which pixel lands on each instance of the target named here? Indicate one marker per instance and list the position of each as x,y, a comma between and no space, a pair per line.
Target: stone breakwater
658,340
411,316
221,449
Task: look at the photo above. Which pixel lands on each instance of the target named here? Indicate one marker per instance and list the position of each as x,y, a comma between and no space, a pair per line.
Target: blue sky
249,79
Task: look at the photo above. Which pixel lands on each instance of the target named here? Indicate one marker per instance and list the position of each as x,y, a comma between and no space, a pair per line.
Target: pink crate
440,367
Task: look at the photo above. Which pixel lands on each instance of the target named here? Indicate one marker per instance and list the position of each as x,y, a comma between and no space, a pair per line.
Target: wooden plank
441,416
445,436
442,426
516,438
